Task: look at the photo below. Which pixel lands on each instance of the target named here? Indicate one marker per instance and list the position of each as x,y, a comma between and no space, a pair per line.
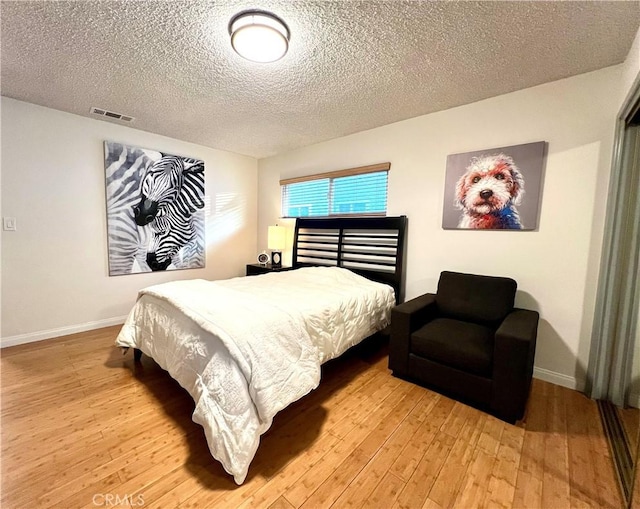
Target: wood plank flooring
630,419
83,426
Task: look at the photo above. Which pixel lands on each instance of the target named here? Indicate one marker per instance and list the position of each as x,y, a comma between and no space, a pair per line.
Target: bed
247,347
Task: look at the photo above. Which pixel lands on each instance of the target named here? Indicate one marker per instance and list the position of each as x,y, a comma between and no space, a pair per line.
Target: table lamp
276,242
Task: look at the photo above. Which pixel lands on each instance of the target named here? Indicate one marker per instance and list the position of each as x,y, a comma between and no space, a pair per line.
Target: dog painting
488,192
486,189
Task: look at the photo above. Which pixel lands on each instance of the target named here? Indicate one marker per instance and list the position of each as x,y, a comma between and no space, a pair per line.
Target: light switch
9,224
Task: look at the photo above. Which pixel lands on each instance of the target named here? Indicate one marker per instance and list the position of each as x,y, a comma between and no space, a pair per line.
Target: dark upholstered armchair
468,341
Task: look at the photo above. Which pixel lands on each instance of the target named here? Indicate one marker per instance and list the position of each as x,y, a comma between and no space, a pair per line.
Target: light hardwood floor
83,426
630,419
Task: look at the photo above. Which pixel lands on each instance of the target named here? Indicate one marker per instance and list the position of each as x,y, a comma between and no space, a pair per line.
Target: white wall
630,68
54,267
556,266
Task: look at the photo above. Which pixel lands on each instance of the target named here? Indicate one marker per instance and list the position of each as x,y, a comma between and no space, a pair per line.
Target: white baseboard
21,339
575,383
567,381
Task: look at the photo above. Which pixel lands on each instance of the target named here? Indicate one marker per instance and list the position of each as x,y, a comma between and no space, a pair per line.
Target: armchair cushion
460,345
472,298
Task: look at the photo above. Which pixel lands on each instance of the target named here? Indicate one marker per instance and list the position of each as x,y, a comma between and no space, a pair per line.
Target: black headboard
371,246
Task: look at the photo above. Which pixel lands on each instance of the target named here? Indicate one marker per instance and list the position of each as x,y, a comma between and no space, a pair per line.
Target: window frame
332,175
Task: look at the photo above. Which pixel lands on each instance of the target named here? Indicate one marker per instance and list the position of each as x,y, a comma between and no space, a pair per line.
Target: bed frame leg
137,355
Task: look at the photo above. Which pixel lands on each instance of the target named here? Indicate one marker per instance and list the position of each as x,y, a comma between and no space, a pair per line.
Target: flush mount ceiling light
259,36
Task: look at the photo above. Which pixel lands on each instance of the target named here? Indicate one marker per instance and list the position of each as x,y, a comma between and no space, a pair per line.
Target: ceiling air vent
111,114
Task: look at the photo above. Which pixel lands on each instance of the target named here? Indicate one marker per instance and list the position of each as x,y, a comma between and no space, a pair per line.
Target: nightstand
253,269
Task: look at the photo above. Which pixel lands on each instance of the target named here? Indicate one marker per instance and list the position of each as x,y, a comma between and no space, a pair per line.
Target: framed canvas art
155,210
494,189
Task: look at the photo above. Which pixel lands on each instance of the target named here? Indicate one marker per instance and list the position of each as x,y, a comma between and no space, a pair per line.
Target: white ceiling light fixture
259,36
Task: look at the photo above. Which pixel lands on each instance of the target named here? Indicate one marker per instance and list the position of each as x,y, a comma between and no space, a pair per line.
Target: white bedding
245,348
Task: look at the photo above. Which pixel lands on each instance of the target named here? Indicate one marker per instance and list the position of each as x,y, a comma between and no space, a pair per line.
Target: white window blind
357,191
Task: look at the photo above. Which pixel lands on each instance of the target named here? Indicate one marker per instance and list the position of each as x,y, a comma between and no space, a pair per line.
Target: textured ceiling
352,65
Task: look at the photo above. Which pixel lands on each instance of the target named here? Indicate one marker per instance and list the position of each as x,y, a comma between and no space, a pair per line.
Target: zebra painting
155,217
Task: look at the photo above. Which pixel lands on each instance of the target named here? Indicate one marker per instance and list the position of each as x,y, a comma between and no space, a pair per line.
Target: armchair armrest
514,352
406,318
418,311
519,325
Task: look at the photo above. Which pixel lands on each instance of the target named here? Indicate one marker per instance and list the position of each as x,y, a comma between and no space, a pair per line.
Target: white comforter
245,348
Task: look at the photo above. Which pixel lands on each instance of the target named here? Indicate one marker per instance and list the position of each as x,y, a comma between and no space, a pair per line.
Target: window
357,191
